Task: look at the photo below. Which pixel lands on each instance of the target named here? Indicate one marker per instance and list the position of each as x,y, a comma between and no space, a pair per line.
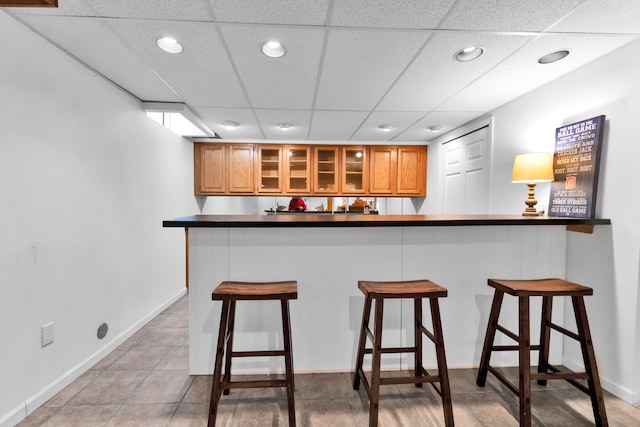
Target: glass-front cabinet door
326,172
354,173
270,169
297,161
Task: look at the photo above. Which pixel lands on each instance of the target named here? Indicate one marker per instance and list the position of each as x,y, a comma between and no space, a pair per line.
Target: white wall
85,182
607,260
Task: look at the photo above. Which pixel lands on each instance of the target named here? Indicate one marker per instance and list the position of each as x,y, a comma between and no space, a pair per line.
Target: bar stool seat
416,290
229,292
547,289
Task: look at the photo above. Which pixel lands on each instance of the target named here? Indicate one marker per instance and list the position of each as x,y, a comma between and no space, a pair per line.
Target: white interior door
466,162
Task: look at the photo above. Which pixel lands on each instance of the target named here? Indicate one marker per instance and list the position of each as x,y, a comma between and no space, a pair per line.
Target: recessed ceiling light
468,53
553,56
230,124
273,49
385,128
434,128
169,45
284,126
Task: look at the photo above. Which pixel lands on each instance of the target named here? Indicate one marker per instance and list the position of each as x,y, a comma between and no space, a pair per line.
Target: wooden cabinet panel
382,170
209,167
269,169
355,176
326,171
297,161
241,168
412,171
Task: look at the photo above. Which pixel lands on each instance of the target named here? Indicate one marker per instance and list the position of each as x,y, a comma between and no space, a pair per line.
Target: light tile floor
146,382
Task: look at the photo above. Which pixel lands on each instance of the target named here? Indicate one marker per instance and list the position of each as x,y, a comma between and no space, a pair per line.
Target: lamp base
534,213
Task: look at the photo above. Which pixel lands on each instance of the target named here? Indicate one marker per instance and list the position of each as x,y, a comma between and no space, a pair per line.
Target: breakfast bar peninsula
328,253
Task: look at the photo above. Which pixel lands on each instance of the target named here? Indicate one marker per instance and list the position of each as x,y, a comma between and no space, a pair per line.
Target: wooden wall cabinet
269,169
236,169
223,168
354,176
326,170
297,167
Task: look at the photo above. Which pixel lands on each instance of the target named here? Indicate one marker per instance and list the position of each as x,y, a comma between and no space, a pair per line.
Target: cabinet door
354,170
209,168
382,170
298,162
326,171
241,168
412,171
269,169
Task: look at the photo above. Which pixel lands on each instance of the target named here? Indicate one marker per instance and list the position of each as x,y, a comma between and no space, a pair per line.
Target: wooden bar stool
547,289
417,290
229,293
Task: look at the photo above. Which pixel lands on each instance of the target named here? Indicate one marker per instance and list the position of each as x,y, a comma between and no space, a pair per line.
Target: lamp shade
536,167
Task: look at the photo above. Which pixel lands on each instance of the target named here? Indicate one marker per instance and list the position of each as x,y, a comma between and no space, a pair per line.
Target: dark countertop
343,220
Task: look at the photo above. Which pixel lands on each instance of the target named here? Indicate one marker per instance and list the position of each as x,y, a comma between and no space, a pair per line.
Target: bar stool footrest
253,384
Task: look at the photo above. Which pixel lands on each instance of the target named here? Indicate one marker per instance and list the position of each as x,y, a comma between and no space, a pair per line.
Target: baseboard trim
32,403
618,390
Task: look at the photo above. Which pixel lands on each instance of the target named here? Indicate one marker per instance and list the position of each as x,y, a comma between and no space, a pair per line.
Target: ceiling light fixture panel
468,53
273,49
169,45
555,56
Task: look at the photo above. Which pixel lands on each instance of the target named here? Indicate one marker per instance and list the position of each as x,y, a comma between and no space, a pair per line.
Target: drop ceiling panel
128,71
360,66
521,73
369,131
202,75
175,10
248,127
298,119
435,75
507,15
293,12
335,125
419,14
283,83
592,17
448,121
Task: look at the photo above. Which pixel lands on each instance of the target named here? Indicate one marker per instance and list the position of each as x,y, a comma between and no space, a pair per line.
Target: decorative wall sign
576,163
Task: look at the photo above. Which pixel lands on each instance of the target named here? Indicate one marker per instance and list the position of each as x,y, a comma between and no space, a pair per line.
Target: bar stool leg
217,370
442,362
374,403
362,342
228,356
488,340
524,364
545,337
588,355
288,360
417,336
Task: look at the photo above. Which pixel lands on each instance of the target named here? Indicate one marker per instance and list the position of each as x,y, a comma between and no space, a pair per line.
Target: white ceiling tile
299,121
360,66
335,125
603,16
296,12
370,131
248,127
448,120
507,15
390,13
435,74
521,73
197,10
288,82
202,74
110,57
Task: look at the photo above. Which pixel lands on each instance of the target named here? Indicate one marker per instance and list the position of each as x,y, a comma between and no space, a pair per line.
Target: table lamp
532,168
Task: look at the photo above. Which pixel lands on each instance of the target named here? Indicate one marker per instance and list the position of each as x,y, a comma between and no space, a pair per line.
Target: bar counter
327,255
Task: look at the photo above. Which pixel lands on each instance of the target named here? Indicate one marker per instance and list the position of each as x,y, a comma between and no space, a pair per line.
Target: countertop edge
359,220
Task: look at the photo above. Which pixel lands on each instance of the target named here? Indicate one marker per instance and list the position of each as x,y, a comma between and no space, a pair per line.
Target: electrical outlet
47,334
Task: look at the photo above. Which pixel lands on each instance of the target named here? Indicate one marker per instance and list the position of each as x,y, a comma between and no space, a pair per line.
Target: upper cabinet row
236,169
